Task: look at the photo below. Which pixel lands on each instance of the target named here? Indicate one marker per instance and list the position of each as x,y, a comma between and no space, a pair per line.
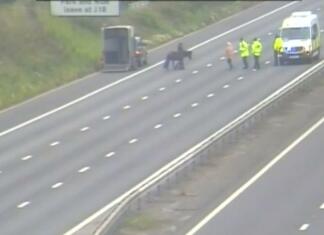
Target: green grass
40,52
142,222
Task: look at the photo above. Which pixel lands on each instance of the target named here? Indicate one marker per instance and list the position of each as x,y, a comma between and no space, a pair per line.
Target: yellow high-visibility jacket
244,49
257,48
278,45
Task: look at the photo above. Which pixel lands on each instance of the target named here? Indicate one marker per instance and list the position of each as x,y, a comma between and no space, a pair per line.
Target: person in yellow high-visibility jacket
244,52
277,49
256,52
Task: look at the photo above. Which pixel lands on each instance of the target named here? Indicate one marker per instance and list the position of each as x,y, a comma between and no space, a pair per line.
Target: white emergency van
301,37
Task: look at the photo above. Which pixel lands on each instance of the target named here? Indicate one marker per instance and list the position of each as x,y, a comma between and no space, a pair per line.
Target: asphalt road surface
287,199
59,168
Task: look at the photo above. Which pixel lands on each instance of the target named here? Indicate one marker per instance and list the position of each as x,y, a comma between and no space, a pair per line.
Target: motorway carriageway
58,169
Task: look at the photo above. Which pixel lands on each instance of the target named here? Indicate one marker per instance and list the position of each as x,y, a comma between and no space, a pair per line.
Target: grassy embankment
39,52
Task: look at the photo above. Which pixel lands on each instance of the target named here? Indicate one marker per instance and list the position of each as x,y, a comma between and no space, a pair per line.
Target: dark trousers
245,62
276,58
257,62
229,62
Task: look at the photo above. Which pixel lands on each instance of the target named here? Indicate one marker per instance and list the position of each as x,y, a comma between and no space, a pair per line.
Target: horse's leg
166,63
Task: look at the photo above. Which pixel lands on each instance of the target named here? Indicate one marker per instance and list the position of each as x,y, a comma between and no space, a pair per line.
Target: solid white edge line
120,198
239,191
137,73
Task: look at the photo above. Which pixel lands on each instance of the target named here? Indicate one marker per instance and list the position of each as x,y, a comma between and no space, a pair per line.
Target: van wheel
310,59
318,56
281,61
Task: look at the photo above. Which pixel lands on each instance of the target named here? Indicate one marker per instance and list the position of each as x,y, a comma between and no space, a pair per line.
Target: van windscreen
295,33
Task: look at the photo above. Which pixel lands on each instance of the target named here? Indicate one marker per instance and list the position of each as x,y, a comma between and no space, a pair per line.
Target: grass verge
40,52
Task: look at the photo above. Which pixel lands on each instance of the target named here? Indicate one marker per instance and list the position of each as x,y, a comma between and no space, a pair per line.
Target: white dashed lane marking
110,154
304,227
57,185
106,117
210,95
132,141
240,78
235,51
322,30
84,128
162,89
144,98
226,86
321,207
55,143
209,65
194,105
267,62
26,158
177,115
195,72
270,33
222,58
126,107
23,204
157,126
84,169
178,81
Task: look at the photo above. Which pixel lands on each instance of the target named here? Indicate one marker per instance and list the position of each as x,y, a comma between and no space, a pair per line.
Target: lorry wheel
134,66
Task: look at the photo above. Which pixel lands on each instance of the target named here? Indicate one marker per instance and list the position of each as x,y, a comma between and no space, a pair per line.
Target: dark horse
176,58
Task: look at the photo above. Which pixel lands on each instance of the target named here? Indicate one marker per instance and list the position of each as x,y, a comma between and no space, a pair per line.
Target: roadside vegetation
39,52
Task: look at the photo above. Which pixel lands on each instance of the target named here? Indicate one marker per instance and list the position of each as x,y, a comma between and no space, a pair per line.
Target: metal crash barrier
195,154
